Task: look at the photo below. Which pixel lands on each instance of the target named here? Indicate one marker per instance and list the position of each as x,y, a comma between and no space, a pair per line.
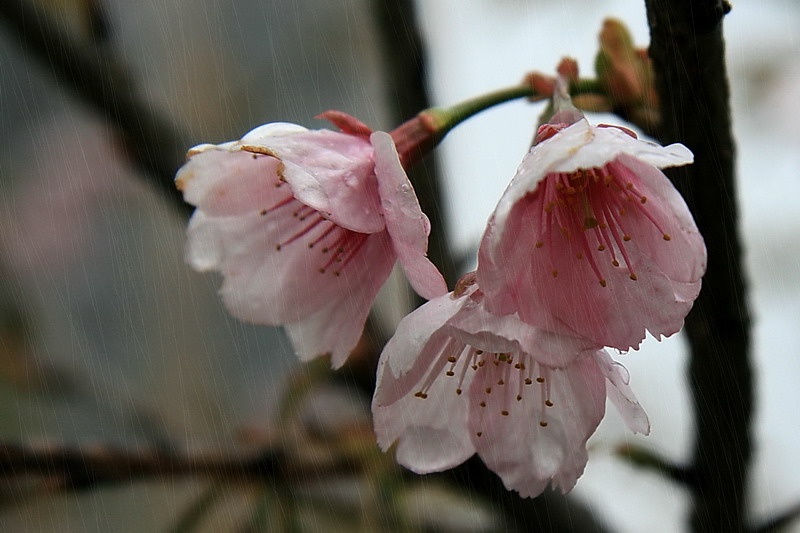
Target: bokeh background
106,336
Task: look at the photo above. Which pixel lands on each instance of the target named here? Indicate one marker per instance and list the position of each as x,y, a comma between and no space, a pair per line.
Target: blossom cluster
589,247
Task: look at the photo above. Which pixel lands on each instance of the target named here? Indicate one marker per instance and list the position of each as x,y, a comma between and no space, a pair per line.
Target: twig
644,458
687,49
98,80
87,467
780,522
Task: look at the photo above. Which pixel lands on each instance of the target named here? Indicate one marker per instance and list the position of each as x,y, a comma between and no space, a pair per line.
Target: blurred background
108,340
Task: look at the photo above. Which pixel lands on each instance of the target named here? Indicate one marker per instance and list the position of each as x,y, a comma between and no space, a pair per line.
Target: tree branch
687,49
86,468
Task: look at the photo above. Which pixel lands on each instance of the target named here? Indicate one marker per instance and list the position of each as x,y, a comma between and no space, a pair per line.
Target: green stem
445,119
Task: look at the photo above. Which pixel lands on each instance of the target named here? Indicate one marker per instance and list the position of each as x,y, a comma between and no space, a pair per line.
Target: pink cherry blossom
305,227
591,238
456,379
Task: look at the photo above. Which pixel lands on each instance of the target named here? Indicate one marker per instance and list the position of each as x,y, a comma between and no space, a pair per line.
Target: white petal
431,432
621,394
416,329
273,129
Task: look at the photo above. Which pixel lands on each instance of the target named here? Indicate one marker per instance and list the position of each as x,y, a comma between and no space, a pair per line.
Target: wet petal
537,443
337,326
431,430
405,221
224,183
478,327
605,252
330,171
621,395
414,332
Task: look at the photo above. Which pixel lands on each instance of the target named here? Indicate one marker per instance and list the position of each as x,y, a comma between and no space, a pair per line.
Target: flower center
336,245
500,381
589,211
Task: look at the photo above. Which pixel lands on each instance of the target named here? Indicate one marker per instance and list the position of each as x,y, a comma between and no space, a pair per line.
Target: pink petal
431,431
329,171
224,183
615,315
684,259
621,395
406,223
336,328
267,285
477,327
582,146
204,250
558,274
539,162
525,454
607,144
413,334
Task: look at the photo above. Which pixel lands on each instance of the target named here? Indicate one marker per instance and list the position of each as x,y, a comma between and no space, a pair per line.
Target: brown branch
779,523
687,49
90,73
87,467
